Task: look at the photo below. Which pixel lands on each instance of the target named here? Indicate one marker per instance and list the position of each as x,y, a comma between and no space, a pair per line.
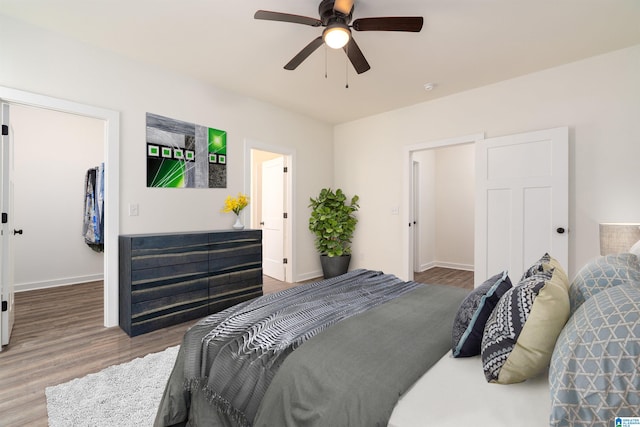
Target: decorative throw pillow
521,333
473,313
506,321
594,375
545,263
537,267
635,249
602,273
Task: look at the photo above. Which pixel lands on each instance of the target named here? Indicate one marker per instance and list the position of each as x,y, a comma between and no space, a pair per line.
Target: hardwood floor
446,276
58,336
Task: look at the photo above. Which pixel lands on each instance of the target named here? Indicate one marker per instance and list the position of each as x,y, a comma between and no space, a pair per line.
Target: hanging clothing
93,218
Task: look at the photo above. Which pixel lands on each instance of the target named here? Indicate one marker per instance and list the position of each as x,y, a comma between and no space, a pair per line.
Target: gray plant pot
334,266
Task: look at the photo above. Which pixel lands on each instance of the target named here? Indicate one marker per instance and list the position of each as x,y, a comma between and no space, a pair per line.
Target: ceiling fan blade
267,15
356,56
343,6
304,53
399,23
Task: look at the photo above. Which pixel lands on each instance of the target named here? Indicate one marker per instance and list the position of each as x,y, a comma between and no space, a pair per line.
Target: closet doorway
52,152
111,144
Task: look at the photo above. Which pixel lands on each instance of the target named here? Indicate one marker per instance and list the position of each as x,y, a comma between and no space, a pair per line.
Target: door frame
416,173
111,184
289,194
408,241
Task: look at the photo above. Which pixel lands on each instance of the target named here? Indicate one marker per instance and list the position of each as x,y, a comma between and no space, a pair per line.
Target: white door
273,218
522,198
6,246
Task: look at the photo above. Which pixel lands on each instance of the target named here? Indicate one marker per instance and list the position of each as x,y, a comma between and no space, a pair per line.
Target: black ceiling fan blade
304,53
343,6
389,23
267,15
356,56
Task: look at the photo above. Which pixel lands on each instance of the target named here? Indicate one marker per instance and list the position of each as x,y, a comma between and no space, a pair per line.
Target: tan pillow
549,313
562,275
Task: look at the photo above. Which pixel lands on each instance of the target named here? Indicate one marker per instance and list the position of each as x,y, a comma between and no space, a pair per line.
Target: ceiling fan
336,16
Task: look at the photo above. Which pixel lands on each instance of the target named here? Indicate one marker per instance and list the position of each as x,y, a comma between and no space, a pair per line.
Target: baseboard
22,287
452,265
313,275
427,266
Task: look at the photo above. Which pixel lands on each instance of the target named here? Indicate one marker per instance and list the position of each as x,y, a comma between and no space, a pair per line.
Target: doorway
521,199
52,152
271,181
111,181
423,195
443,198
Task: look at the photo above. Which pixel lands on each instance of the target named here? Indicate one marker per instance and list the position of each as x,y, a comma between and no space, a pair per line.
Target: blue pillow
468,326
602,273
594,374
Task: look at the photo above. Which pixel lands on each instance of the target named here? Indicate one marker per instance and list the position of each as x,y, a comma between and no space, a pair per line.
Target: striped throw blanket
233,355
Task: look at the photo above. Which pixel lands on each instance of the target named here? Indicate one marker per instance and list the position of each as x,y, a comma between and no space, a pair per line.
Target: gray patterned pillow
603,273
537,266
506,322
473,313
595,367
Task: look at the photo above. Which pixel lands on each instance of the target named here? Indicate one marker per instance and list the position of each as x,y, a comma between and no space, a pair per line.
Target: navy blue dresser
170,278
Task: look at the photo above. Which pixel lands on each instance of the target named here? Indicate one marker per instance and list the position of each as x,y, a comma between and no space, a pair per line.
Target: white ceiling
464,44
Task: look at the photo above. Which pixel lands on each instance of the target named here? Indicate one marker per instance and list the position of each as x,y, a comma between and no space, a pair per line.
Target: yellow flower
235,204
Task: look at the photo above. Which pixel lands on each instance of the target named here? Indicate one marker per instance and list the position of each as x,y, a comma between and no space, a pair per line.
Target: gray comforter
373,337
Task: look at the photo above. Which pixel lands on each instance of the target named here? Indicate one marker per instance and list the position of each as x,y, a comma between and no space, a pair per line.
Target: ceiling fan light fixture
336,36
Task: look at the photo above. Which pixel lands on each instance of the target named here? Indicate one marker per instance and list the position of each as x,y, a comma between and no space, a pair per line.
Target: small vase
238,224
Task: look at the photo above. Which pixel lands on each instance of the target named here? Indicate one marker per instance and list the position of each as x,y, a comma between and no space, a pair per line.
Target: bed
368,349
367,338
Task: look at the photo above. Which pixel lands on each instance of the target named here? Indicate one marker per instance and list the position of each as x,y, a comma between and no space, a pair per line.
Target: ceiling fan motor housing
329,16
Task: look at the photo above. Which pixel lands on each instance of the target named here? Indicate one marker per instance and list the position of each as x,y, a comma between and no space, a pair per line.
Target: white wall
455,202
598,98
51,64
52,152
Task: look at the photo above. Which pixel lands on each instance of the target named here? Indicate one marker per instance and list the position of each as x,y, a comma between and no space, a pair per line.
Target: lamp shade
618,238
336,36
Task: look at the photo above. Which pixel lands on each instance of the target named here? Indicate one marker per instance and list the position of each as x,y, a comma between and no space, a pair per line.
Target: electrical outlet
395,210
133,209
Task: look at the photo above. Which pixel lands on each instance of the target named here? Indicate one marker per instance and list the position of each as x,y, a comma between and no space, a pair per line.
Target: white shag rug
120,395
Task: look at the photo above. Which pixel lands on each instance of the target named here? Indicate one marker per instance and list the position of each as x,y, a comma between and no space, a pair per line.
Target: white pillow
635,249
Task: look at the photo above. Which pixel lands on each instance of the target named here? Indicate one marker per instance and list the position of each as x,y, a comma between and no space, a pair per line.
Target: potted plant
333,222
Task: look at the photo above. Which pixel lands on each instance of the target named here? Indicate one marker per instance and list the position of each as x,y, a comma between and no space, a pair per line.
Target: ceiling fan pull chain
325,61
346,70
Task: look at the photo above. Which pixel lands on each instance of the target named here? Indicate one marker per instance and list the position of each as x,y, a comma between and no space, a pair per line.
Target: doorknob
17,231
560,230
261,222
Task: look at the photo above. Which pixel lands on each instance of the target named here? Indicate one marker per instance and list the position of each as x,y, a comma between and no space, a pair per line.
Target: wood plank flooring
58,336
446,276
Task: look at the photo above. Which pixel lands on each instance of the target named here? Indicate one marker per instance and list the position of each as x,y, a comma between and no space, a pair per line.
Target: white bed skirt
454,393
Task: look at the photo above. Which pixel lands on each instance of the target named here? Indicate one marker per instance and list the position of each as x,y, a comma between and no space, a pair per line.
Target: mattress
455,393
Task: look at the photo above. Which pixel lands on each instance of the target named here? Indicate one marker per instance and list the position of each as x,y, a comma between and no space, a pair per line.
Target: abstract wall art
185,155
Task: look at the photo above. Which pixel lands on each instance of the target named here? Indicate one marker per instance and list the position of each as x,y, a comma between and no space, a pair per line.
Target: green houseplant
333,222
